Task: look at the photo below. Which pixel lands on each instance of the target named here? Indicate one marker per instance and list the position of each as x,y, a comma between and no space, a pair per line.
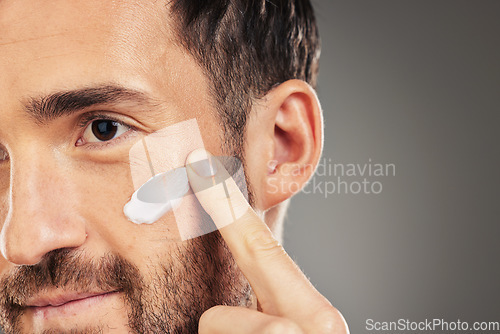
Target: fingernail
202,163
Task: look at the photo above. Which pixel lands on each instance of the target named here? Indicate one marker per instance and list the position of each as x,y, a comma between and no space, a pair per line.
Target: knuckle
259,241
329,321
281,326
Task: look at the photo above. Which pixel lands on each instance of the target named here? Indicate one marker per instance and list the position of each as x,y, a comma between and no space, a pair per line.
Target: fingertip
215,188
202,163
197,155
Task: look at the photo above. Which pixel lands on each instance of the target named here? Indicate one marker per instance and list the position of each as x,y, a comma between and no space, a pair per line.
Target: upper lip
61,298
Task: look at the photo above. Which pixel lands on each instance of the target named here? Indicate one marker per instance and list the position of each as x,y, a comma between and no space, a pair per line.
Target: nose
41,215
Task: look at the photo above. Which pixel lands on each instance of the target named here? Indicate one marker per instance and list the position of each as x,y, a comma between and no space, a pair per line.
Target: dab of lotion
162,193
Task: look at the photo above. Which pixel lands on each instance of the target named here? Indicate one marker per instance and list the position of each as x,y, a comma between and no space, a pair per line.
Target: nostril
4,156
16,250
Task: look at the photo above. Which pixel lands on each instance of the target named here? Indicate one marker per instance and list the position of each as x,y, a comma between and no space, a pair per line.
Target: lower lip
72,308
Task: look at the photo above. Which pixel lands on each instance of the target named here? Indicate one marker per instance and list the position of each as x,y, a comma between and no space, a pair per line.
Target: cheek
103,191
149,246
104,188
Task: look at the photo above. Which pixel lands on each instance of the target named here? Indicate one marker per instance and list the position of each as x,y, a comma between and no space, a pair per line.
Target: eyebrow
64,103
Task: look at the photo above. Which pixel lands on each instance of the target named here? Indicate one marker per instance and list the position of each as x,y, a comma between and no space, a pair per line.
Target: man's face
65,174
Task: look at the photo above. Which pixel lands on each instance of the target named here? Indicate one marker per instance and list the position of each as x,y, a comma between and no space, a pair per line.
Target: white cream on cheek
160,194
158,172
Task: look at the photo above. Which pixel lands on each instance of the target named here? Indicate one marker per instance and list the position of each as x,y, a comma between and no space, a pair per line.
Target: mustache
69,270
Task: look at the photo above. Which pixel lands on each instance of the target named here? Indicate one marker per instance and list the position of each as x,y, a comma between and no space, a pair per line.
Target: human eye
102,129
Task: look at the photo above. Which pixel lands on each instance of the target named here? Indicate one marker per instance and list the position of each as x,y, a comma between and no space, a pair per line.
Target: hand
288,301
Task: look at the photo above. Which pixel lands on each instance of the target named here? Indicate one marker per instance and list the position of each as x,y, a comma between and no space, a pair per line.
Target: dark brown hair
247,47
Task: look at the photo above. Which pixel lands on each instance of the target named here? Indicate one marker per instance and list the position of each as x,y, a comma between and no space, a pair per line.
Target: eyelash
87,120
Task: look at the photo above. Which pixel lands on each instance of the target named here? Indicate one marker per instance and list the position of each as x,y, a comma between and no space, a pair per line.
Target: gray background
414,83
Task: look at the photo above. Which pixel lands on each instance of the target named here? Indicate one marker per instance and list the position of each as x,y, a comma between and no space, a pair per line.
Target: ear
284,140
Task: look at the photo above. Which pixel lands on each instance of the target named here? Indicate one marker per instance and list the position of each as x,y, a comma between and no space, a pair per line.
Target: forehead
46,45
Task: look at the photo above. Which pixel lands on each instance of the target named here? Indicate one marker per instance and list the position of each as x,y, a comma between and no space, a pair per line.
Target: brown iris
104,130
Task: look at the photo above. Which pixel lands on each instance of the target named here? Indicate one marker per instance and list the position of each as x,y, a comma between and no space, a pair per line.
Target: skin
59,190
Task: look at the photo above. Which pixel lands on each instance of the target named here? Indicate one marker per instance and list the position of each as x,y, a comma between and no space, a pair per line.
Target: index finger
271,272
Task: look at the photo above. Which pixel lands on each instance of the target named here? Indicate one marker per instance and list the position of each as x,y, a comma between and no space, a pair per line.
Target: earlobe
292,120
